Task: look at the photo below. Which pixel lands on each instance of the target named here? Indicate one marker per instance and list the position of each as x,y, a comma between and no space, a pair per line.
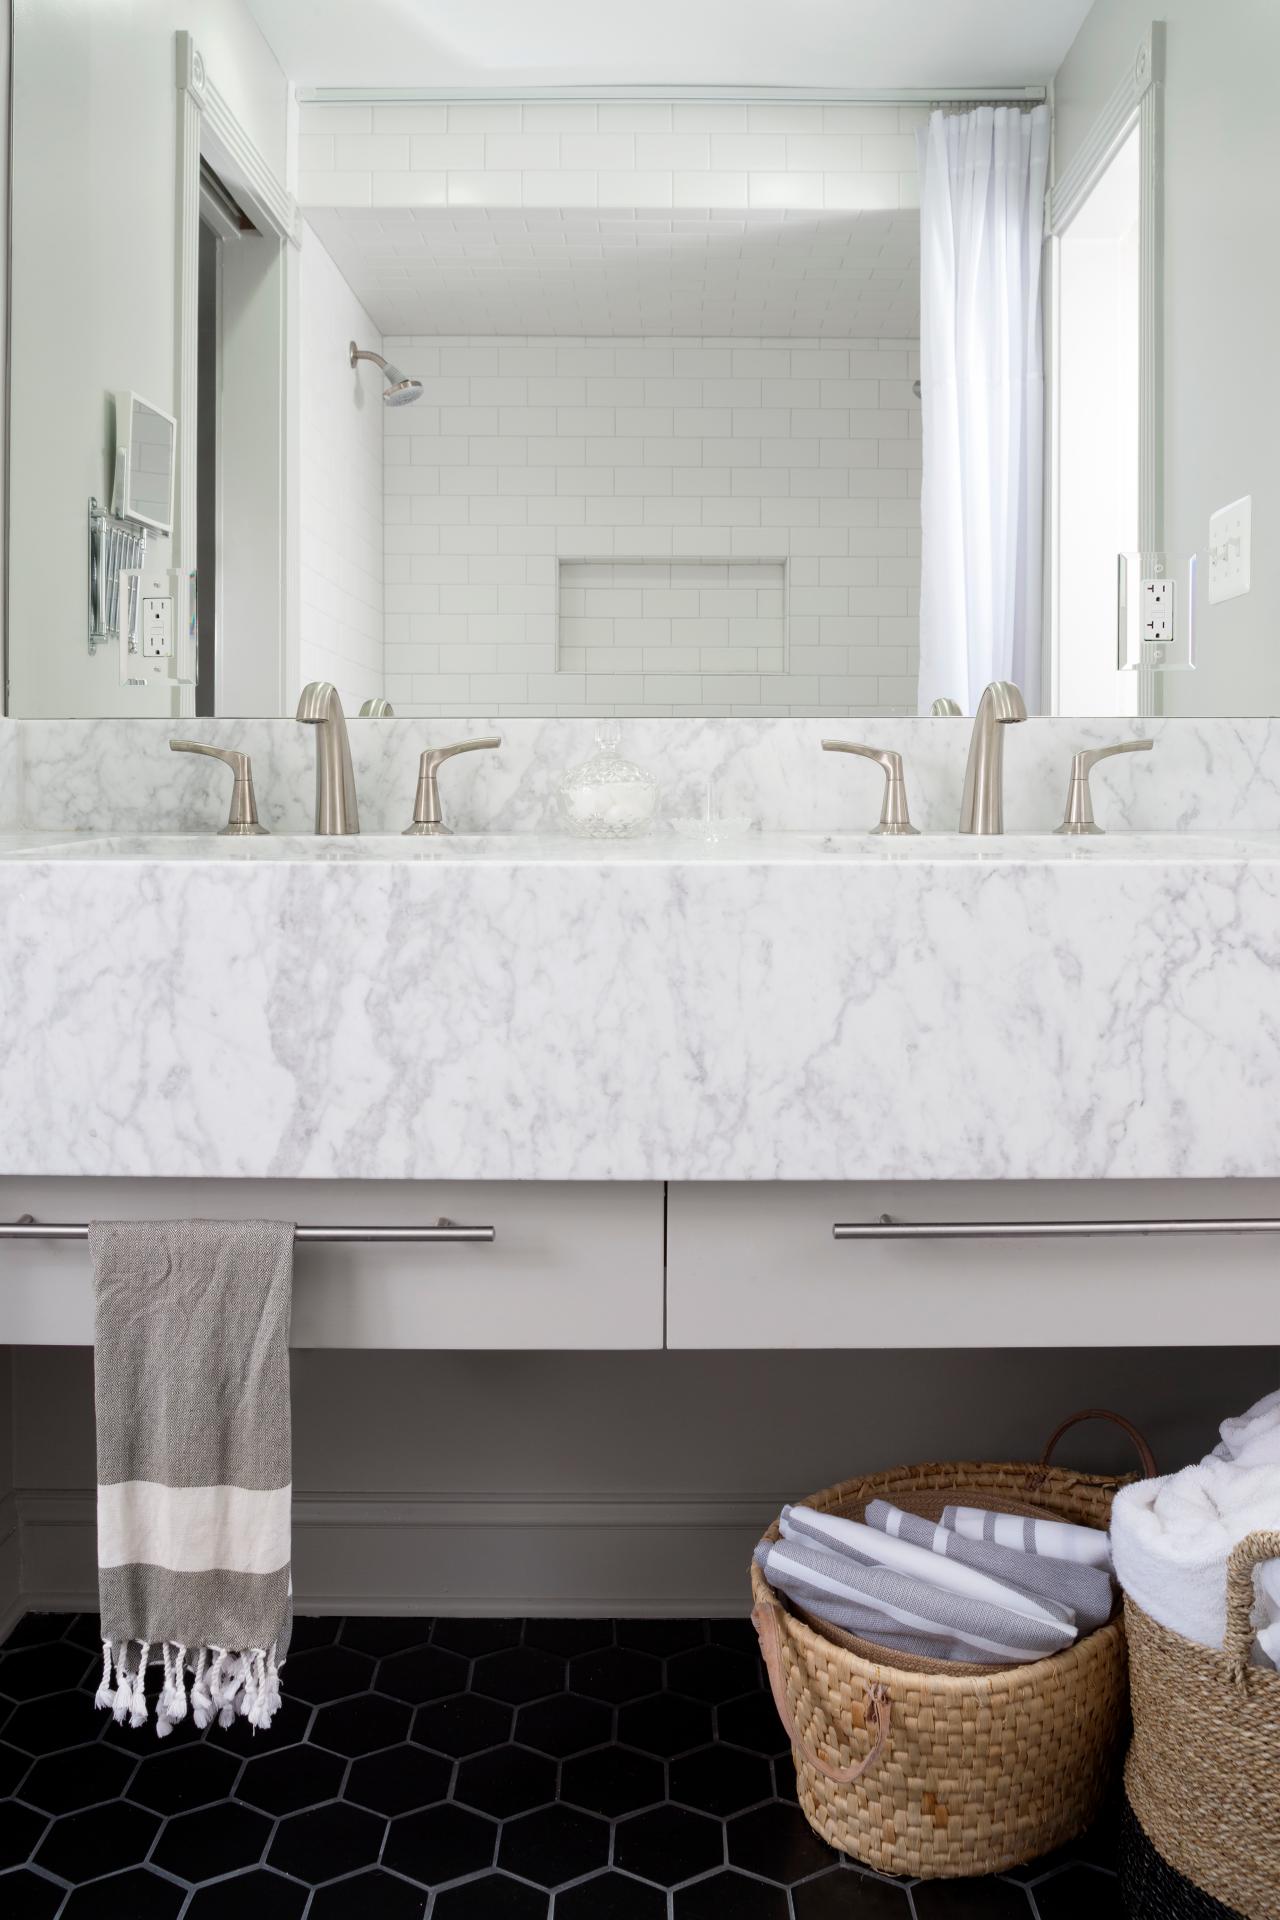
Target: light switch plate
1230,545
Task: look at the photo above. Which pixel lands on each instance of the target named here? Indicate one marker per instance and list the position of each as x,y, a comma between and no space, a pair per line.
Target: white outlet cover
1230,550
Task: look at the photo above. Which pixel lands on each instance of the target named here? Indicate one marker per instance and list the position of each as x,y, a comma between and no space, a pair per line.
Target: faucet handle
945,708
242,820
894,817
427,817
377,708
1079,814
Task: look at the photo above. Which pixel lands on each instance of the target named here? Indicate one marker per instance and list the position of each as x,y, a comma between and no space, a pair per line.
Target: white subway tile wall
581,154
528,459
341,487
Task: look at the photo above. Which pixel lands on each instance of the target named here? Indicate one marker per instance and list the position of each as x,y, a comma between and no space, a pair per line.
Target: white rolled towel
1171,1539
1252,1439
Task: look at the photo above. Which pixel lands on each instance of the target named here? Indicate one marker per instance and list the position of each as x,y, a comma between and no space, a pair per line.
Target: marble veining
118,775
815,1008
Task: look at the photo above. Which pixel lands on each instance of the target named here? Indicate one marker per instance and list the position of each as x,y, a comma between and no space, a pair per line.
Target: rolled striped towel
1059,1539
868,1546
191,1387
1087,1591
904,1614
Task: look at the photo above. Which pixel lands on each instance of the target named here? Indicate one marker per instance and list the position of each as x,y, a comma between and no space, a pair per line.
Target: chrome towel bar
887,1228
446,1232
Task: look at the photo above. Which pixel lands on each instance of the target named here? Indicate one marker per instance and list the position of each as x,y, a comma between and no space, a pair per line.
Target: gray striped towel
1057,1539
191,1386
1086,1590
898,1610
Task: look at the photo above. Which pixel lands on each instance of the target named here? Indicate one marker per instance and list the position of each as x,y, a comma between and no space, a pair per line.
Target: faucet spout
982,806
336,809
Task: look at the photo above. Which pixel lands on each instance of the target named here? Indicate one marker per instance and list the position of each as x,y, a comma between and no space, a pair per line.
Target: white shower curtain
981,231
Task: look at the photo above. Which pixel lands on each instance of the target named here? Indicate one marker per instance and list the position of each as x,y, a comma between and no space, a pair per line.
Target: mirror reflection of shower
401,389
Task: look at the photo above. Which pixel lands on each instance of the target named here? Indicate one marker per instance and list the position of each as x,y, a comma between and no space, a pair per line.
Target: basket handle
764,1618
1145,1455
1248,1553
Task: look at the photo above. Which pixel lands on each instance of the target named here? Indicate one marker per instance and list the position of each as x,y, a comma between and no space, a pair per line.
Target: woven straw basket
935,1770
1203,1772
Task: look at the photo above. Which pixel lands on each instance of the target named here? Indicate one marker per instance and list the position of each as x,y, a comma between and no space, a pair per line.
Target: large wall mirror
493,400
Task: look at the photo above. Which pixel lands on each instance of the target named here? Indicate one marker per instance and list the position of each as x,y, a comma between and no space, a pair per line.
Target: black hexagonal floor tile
842,1895
81,1845
428,1673
972,1900
506,1781
494,1897
713,1673
212,1841
398,1780
46,1726
81,1777
613,1781
720,1780
777,1843
313,1630
665,1724
661,1637
465,1724
14,1766
288,1726
1078,1890
381,1637
292,1779
369,1896
84,1630
729,1892
473,1637
34,1630
362,1725
36,1671
20,1829
440,1844
28,1896
518,1674
325,1842
564,1724
668,1845
612,1896
554,1845
256,1895
615,1674
567,1637
329,1673
753,1722
136,1894
736,1632
194,1776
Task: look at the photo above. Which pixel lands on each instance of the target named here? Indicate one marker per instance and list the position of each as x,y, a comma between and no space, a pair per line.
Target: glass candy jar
607,797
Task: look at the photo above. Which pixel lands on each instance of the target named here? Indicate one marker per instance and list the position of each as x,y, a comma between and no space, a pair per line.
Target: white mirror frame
265,538
1138,101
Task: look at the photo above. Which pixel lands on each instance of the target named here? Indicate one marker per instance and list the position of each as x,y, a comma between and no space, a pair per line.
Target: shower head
401,389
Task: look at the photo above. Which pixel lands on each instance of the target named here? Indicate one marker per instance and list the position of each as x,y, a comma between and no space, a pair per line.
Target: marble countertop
523,1006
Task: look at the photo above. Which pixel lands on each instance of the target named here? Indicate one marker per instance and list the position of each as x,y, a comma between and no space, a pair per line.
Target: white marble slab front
813,1006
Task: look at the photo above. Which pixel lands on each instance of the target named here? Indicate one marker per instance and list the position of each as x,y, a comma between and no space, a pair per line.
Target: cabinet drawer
756,1266
570,1265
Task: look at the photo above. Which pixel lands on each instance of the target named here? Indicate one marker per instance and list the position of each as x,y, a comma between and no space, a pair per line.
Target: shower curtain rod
444,1232
659,95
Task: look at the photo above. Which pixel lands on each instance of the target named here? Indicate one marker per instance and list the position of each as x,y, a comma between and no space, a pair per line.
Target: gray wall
581,1483
1222,294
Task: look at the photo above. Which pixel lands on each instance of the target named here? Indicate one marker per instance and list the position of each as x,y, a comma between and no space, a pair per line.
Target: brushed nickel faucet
894,817
242,820
427,817
982,805
336,809
1079,818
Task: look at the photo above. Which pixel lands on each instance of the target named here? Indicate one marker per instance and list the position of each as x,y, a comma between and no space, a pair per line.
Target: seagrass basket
1203,1772
935,1770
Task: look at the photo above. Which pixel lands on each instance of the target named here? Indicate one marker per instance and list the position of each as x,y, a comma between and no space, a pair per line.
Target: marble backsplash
119,775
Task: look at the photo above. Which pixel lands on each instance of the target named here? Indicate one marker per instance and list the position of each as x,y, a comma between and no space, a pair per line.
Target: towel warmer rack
887,1228
446,1232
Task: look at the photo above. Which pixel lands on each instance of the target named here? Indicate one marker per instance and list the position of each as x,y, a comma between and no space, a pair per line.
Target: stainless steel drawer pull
887,1228
446,1232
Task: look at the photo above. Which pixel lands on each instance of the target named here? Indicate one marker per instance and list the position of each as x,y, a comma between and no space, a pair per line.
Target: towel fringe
224,1685
105,1696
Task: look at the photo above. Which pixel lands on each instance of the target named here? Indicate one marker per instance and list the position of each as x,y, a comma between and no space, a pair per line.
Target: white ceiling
839,44
469,271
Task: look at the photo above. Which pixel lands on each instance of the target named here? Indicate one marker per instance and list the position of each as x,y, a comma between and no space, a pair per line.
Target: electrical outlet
157,626
1157,610
1230,550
